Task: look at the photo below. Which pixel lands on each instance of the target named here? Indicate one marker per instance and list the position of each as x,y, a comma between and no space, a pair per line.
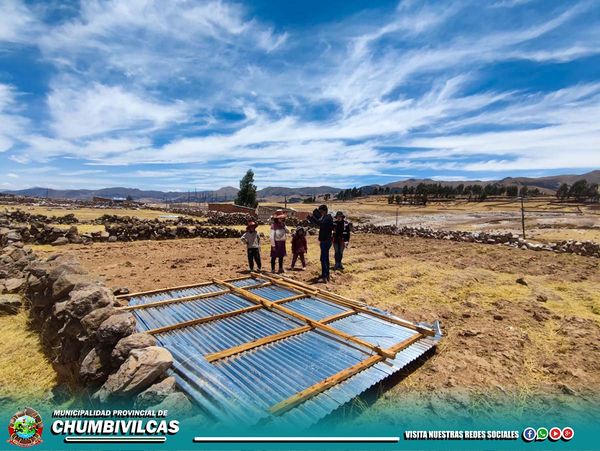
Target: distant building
109,200
231,208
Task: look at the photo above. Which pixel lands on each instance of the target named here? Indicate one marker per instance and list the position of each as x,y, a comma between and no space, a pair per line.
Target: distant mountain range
546,184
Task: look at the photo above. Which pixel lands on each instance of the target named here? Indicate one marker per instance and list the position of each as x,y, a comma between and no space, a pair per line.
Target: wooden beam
271,338
174,300
270,305
335,379
196,321
206,319
349,303
186,298
180,287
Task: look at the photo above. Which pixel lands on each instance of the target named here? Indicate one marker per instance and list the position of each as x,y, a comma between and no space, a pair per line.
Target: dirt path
512,339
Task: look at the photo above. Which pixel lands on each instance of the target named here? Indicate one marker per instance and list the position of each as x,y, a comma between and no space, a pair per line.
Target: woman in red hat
278,238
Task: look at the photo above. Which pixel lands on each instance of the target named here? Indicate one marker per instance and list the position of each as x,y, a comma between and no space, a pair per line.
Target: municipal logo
25,428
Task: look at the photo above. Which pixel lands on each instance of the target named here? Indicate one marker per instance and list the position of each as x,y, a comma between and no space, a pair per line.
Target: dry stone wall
586,248
91,342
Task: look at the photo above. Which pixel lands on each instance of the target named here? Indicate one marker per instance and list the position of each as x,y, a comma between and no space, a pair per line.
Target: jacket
278,234
325,224
299,245
251,239
342,231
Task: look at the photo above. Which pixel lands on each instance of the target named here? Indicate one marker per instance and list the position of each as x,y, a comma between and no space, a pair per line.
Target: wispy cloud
198,92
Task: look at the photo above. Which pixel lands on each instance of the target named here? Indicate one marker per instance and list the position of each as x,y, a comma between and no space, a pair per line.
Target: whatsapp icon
542,434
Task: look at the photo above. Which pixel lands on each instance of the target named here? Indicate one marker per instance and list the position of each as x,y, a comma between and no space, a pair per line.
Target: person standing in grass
278,238
252,240
323,219
341,237
299,247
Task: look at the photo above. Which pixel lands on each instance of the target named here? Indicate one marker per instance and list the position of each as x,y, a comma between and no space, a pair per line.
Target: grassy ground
26,376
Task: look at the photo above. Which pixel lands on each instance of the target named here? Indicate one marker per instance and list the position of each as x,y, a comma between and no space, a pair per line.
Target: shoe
303,268
281,271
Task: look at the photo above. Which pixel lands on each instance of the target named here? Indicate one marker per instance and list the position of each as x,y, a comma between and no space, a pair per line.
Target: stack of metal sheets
270,349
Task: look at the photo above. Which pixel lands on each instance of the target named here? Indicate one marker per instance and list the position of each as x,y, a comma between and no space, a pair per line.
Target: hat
279,214
340,213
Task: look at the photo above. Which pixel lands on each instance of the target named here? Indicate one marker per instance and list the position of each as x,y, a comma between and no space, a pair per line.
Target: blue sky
180,95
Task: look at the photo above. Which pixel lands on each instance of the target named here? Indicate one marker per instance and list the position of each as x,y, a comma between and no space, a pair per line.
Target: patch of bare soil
517,324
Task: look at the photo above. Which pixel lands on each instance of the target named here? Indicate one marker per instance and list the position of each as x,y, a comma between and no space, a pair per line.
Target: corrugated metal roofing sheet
245,386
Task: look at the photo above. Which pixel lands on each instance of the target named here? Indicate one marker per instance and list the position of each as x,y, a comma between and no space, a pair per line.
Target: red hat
279,214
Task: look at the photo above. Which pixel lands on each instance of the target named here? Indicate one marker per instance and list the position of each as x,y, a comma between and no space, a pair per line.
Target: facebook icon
529,434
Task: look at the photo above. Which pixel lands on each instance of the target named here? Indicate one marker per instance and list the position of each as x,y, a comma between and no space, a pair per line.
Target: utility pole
522,217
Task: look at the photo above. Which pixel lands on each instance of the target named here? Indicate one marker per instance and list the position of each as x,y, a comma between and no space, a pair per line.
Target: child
278,236
299,247
252,240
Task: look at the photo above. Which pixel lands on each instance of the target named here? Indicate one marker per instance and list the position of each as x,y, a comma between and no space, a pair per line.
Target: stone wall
117,228
92,344
586,248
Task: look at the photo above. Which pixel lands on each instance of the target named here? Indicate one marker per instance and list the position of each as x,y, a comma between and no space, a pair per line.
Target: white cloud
12,123
97,109
16,22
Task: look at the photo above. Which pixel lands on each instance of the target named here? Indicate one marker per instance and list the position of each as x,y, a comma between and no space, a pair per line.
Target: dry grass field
26,375
504,342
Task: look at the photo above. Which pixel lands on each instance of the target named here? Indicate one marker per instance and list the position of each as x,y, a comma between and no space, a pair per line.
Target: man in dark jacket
324,220
341,237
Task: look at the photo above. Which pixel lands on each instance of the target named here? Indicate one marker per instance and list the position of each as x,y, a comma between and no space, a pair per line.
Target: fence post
523,217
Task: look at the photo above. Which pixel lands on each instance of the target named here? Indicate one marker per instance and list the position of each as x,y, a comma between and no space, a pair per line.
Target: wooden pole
206,319
523,217
180,287
194,297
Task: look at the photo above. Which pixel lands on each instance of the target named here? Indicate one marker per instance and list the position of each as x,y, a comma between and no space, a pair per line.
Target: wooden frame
271,305
301,290
271,338
335,379
187,298
180,287
340,300
206,319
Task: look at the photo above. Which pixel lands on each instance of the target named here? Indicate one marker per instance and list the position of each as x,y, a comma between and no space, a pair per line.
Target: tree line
580,191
